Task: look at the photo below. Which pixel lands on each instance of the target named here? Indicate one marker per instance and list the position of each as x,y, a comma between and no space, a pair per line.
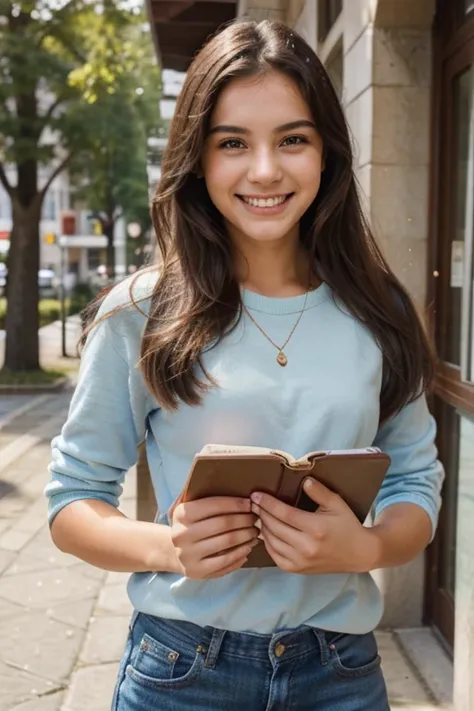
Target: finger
235,557
321,495
220,524
282,554
288,514
280,529
224,542
192,511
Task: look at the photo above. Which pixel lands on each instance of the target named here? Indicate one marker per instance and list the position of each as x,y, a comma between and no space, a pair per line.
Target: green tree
58,60
111,175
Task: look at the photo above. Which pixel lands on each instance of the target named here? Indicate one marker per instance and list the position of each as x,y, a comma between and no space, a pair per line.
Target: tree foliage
68,73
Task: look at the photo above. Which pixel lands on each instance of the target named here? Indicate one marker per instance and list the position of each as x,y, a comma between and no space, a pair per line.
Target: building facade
404,70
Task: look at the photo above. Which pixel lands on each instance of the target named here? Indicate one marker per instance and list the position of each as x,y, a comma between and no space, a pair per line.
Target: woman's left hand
330,540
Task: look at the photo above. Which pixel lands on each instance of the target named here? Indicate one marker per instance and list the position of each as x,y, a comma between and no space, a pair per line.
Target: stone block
358,66
50,587
92,689
18,686
74,614
402,57
403,687
399,199
51,702
6,559
105,641
36,643
113,600
408,258
14,540
404,13
25,563
401,125
357,16
359,117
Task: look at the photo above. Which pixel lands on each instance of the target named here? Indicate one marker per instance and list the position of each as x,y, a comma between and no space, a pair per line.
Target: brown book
221,470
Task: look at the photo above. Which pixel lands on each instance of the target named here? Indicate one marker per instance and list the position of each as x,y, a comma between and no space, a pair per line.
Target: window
5,205
329,11
49,206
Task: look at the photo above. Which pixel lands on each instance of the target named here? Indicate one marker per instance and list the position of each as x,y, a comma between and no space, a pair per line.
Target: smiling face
263,158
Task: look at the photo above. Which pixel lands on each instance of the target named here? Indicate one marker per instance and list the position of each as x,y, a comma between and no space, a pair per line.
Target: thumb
321,495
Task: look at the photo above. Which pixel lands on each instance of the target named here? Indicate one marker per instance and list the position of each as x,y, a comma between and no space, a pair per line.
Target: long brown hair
197,300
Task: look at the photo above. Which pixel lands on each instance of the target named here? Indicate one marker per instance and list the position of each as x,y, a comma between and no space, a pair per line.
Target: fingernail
308,483
260,536
256,497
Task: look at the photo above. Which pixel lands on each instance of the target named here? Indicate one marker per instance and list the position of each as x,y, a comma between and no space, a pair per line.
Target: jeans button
279,649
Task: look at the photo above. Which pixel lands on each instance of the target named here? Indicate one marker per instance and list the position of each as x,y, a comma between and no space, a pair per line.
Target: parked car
48,283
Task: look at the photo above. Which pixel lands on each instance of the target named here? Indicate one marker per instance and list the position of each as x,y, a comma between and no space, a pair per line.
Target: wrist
371,547
161,554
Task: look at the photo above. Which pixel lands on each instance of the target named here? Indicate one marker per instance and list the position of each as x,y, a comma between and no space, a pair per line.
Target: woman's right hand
213,536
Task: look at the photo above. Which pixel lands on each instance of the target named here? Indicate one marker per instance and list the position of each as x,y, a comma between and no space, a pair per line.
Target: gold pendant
282,359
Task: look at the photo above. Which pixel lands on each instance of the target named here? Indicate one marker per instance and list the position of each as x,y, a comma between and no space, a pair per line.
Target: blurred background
87,91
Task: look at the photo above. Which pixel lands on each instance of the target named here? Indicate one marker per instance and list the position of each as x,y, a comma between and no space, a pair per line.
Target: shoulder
132,295
121,312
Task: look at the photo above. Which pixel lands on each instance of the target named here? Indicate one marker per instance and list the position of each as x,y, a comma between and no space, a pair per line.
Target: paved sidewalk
63,623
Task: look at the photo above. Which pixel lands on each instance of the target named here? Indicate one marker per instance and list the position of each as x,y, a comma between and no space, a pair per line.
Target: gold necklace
281,357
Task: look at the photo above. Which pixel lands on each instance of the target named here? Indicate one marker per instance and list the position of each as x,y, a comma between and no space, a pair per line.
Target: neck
279,269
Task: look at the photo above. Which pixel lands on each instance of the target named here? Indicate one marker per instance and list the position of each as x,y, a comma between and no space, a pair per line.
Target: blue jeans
178,666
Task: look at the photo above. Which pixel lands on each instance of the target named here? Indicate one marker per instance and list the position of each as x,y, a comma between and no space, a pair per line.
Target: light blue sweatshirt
327,397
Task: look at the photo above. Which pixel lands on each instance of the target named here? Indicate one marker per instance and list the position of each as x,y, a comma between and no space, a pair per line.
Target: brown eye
295,141
232,144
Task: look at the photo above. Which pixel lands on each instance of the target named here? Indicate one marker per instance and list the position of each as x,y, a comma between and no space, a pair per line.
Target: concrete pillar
387,90
263,9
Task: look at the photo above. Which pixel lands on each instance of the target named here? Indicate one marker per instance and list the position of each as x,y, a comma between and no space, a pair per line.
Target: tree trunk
108,228
22,321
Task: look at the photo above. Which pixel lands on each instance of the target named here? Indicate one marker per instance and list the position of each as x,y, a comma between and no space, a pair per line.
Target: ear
199,172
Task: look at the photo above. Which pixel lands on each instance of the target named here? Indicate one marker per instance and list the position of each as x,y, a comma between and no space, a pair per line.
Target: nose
264,167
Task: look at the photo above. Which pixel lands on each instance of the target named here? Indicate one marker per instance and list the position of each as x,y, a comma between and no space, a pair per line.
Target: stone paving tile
51,702
113,600
14,540
18,686
6,559
105,640
92,689
403,686
48,588
75,614
37,644
9,609
25,563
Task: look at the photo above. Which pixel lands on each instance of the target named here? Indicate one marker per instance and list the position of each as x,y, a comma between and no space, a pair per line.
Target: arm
97,446
332,540
407,507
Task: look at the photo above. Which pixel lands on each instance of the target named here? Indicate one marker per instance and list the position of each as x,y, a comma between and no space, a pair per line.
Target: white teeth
262,202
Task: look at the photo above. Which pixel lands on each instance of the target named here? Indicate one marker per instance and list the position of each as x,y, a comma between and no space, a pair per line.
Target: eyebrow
304,123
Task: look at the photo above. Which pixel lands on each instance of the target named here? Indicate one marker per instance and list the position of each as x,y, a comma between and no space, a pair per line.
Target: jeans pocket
154,665
354,655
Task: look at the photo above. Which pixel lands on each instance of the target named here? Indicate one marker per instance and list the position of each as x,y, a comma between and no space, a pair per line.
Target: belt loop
214,648
323,645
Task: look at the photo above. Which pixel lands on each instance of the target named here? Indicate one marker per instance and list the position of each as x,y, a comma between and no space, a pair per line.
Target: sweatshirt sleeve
106,420
415,475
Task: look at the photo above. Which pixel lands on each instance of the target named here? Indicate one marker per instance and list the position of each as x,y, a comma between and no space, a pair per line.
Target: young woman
273,320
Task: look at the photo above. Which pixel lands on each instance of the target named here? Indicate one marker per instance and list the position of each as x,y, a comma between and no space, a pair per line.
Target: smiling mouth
272,201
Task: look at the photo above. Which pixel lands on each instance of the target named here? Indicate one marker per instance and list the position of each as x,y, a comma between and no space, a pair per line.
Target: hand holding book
330,540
